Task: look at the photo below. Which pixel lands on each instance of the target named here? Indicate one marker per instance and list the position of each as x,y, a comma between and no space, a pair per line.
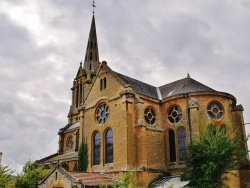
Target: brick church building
131,125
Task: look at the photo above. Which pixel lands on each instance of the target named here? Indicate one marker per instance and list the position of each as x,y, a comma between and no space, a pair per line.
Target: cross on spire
93,5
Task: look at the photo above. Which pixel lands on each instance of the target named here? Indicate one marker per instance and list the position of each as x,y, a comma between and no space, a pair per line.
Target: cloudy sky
43,42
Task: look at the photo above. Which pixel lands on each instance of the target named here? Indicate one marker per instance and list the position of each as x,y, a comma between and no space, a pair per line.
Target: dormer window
103,84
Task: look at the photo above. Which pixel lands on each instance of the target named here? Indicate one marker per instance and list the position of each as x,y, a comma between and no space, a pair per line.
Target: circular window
149,116
174,114
102,113
214,110
70,142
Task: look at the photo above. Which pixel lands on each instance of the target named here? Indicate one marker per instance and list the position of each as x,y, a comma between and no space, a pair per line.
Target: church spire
91,61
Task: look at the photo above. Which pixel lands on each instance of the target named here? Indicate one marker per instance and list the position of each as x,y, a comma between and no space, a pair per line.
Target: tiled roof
185,85
139,87
92,179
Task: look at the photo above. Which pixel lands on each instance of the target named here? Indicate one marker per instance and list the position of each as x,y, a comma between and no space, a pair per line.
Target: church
130,125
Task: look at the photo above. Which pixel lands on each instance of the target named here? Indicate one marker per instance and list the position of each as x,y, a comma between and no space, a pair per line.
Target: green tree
214,155
6,178
31,175
82,163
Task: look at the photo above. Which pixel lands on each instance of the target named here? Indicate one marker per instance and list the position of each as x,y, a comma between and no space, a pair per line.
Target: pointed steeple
91,61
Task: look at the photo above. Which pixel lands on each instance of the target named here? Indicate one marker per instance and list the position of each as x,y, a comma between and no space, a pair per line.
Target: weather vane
93,5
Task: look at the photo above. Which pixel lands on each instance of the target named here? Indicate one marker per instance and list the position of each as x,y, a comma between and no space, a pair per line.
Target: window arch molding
108,145
96,148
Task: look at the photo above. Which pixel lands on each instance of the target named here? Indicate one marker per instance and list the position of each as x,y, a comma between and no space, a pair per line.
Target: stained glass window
97,145
172,151
109,147
182,144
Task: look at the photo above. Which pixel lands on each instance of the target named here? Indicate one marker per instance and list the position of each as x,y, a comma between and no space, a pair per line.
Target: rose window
174,114
102,114
149,116
214,110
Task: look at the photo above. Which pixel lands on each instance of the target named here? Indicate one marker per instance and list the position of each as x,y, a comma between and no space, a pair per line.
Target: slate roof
140,87
185,85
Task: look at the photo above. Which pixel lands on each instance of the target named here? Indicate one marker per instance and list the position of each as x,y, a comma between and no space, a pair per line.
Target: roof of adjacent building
182,86
56,157
92,179
84,178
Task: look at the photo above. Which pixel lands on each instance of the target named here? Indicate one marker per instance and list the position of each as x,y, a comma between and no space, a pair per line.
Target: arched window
172,151
77,95
103,83
109,146
100,84
81,92
182,144
97,145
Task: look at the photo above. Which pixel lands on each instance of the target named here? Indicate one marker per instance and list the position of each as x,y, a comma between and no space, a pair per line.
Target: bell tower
86,71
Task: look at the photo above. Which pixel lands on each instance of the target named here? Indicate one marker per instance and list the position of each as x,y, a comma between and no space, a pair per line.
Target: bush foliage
6,178
31,175
213,156
82,163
